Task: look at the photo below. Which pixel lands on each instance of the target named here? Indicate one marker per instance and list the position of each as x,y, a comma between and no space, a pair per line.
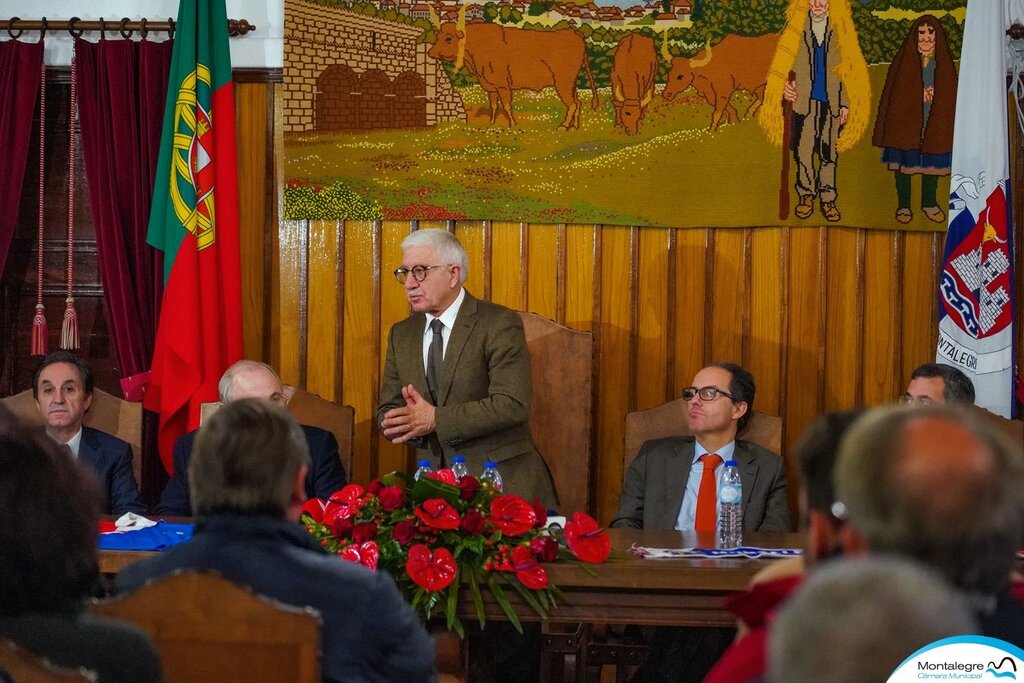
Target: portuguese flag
194,222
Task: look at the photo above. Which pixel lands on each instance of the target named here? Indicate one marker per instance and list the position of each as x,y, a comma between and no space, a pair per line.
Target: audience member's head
720,401
249,458
817,452
938,383
49,509
936,485
856,620
250,379
62,387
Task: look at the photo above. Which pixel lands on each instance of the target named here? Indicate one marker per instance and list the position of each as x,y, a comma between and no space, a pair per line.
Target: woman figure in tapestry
914,126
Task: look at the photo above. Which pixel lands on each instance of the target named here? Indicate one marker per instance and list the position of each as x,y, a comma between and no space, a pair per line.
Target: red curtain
19,93
122,86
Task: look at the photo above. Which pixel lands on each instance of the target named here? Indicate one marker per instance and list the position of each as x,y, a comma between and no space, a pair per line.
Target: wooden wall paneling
613,367
392,306
580,275
881,318
508,265
804,343
542,273
730,306
919,293
653,343
292,298
471,234
844,327
251,113
325,301
691,290
765,346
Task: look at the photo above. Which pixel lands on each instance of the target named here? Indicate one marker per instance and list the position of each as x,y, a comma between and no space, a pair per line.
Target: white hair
446,247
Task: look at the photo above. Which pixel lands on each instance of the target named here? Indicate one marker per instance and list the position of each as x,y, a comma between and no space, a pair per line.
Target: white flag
975,286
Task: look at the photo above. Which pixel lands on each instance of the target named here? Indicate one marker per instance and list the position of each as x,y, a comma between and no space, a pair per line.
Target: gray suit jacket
656,481
483,408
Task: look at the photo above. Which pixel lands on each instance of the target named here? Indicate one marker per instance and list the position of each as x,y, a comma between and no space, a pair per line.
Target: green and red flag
194,221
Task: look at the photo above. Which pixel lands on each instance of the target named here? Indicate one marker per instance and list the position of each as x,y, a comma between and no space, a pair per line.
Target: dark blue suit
369,632
110,459
325,476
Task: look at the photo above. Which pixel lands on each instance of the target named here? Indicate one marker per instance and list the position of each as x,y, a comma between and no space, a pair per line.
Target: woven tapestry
683,113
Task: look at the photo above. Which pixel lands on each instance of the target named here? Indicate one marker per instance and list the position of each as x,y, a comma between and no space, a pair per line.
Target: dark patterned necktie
435,360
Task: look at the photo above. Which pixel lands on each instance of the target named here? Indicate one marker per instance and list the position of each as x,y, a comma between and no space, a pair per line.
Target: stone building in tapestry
346,71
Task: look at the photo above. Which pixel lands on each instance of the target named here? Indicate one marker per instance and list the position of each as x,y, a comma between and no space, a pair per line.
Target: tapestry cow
505,59
739,63
634,69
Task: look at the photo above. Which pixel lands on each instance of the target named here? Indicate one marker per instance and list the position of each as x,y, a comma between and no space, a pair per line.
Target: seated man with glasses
673,483
938,383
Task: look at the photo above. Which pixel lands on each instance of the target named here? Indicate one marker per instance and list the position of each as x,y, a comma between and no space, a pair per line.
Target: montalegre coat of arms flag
194,221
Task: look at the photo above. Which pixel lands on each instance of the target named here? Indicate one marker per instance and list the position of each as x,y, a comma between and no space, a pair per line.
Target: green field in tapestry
674,172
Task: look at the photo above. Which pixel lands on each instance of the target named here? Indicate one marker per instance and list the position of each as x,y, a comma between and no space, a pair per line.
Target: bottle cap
458,458
490,463
424,463
730,463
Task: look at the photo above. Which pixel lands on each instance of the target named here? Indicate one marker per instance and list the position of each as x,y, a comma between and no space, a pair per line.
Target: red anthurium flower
527,570
391,498
512,515
540,511
433,571
344,503
314,507
365,554
439,514
445,475
472,522
544,548
469,486
586,539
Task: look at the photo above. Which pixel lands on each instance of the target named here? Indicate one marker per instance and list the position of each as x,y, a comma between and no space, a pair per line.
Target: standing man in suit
663,483
62,387
457,376
252,379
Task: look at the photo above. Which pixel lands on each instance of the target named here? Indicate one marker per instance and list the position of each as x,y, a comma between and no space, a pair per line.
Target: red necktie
707,494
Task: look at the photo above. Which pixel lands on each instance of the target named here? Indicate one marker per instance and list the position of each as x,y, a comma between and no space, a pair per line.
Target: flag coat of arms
976,281
194,221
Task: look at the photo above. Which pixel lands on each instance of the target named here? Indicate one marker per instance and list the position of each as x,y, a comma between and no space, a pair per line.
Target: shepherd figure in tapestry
914,126
818,68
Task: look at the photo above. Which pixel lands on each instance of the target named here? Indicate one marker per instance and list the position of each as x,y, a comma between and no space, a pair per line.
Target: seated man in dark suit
252,379
663,483
673,484
247,477
62,386
49,509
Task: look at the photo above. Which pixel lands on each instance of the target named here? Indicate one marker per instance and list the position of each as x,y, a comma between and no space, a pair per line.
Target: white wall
263,47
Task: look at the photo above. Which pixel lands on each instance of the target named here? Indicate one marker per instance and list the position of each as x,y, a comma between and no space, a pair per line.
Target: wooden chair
561,361
209,629
315,411
21,666
108,413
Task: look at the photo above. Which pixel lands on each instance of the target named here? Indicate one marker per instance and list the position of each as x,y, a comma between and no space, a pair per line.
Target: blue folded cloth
159,537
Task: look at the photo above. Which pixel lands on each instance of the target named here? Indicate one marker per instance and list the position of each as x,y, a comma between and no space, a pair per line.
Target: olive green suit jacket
483,407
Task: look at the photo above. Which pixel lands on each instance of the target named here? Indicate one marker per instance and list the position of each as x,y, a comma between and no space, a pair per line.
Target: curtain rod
15,26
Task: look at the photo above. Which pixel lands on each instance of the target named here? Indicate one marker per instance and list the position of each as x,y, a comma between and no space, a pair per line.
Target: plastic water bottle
459,468
730,507
491,474
424,469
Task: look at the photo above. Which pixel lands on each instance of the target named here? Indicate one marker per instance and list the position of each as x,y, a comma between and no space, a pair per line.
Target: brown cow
739,63
505,59
633,71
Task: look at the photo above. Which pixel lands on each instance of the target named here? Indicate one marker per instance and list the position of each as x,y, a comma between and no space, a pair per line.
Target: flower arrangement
437,536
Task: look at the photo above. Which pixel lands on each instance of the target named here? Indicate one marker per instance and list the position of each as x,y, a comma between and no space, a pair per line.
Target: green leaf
426,488
452,606
474,592
529,597
503,602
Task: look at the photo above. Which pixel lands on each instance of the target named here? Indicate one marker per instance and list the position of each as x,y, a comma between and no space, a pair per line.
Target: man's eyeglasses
705,393
419,273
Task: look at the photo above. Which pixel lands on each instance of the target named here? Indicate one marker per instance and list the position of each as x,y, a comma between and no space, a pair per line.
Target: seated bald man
252,379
